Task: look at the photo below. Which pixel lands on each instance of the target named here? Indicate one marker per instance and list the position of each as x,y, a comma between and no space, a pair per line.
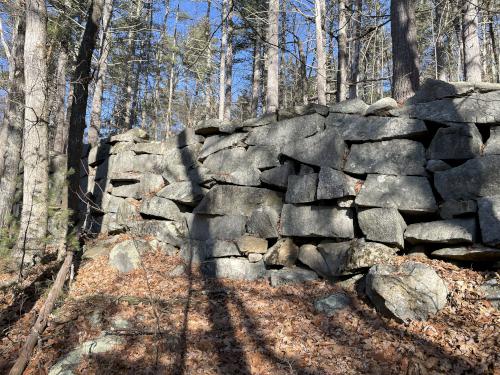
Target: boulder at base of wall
125,256
451,231
283,253
384,225
291,276
234,268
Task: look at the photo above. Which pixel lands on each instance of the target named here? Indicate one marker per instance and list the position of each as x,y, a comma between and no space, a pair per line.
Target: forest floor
188,325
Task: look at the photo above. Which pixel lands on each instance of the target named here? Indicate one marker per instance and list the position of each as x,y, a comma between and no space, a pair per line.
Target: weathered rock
170,232
450,209
311,108
159,207
210,126
381,107
165,248
451,231
229,227
409,194
456,142
126,256
110,203
98,153
346,202
262,156
411,291
474,253
293,275
263,223
359,128
346,258
178,164
184,192
185,138
121,147
332,304
132,135
278,176
149,183
265,119
489,220
311,257
254,258
384,225
477,177
493,144
238,200
122,177
437,166
127,212
220,142
251,244
99,248
233,166
301,189
198,251
316,221
325,149
398,156
234,268
350,106
283,253
491,291
336,184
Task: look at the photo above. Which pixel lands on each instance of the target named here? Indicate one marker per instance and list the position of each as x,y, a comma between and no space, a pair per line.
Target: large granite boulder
474,253
234,268
398,156
282,253
184,192
479,177
301,189
492,145
456,142
489,220
451,231
336,184
228,227
384,225
126,255
159,207
359,128
411,194
411,291
347,258
350,106
316,221
311,257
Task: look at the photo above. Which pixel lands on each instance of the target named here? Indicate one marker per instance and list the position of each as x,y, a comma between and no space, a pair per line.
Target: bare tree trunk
354,78
61,137
12,128
494,49
33,226
320,51
303,72
458,35
405,72
272,87
229,65
282,55
472,53
439,19
223,56
208,78
102,68
342,53
171,78
256,76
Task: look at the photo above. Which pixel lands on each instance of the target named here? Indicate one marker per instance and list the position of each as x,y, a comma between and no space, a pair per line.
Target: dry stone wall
313,191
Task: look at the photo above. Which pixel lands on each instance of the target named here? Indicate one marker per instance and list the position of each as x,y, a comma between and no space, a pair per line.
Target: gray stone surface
228,227
234,268
165,248
325,149
210,126
493,144
456,142
238,200
452,231
474,253
381,107
149,183
126,256
384,225
262,156
282,253
196,251
169,232
177,163
359,128
251,244
410,194
184,192
347,258
265,119
220,142
254,257
159,207
411,291
350,106
127,212
132,135
475,178
316,221
332,304
311,257
452,208
110,203
336,184
398,157
437,166
185,138
301,189
98,153
311,108
489,220
264,223
292,275
491,291
278,176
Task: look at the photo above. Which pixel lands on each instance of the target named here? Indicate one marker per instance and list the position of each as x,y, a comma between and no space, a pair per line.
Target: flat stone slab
398,157
293,275
437,166
159,207
492,145
169,232
350,106
489,220
311,257
451,231
264,222
479,177
198,251
452,208
220,142
185,192
334,184
234,268
384,225
456,142
359,128
411,194
233,166
316,221
229,227
474,253
278,176
301,189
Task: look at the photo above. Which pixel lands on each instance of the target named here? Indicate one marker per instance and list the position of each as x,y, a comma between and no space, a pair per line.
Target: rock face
475,253
160,208
489,220
350,106
336,184
398,157
301,189
278,176
291,276
250,244
411,291
283,253
182,192
311,257
381,107
264,223
410,194
451,231
452,208
125,256
384,225
234,268
332,304
456,142
493,144
219,142
229,227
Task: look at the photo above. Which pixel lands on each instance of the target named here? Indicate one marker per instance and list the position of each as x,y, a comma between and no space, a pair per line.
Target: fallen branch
43,316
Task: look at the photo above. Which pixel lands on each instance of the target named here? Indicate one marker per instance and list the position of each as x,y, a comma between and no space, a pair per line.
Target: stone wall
316,190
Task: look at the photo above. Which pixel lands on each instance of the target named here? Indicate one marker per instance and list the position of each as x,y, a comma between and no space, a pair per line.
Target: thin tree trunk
229,65
460,58
208,78
223,57
494,49
61,137
33,226
320,51
282,55
439,19
256,76
472,53
342,53
354,78
171,78
12,128
272,87
405,72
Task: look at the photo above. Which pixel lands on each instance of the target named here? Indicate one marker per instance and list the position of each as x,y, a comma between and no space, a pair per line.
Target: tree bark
494,49
171,78
208,78
61,137
33,226
472,53
256,76
229,65
320,51
354,78
223,57
342,53
405,72
439,35
272,87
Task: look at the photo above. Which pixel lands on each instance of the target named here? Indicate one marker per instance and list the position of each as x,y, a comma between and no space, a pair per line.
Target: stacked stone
314,190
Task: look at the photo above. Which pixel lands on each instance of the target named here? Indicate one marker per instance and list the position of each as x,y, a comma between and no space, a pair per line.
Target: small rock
332,304
254,258
311,257
489,220
283,253
291,276
177,271
234,268
166,248
125,256
381,107
132,135
251,244
491,290
350,106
